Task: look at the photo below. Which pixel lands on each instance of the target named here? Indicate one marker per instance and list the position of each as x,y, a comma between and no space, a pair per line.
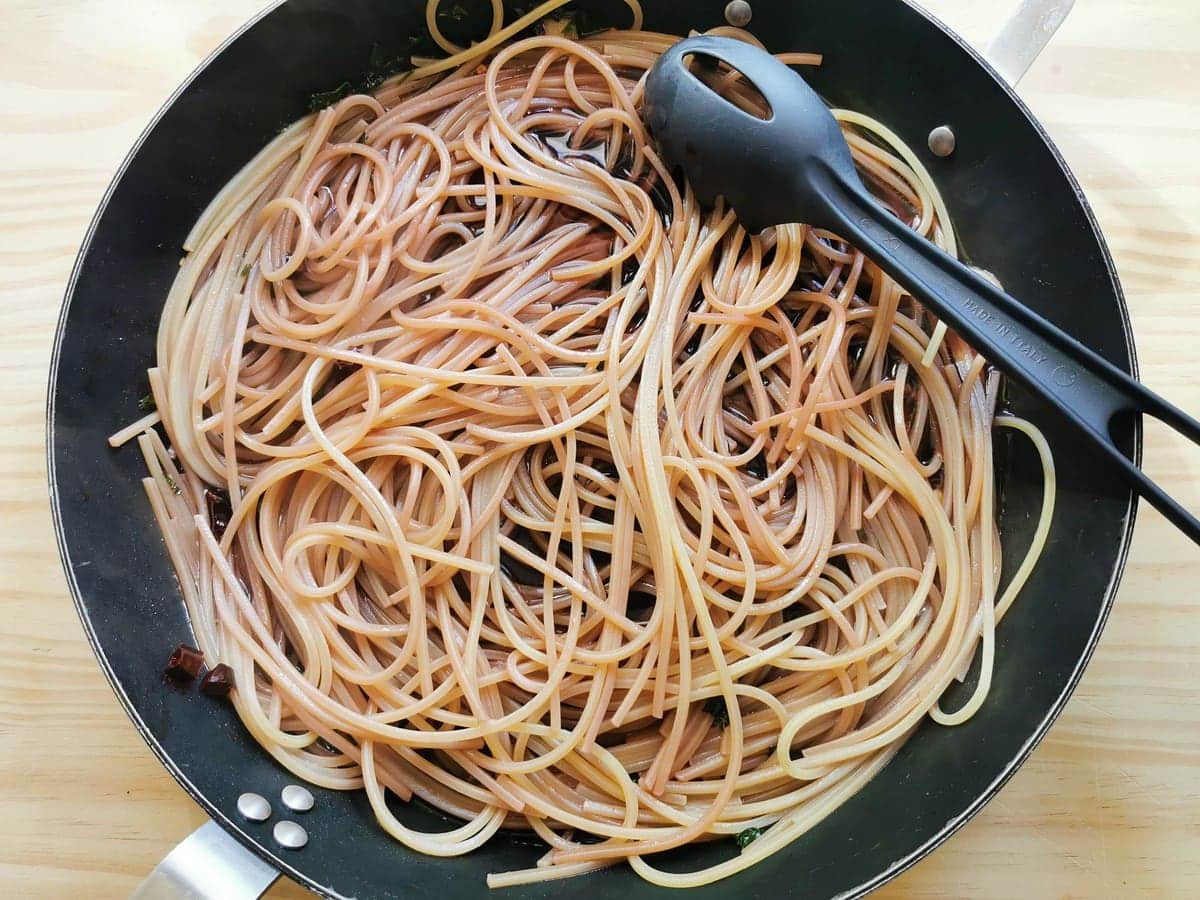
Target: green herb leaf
574,27
322,99
585,25
560,28
748,836
244,270
715,707
147,403
381,66
171,483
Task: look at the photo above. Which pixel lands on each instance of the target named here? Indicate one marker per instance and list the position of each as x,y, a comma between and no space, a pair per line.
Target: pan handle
209,864
1024,36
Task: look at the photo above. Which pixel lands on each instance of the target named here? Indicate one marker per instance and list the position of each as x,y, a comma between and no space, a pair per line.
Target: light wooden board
1109,804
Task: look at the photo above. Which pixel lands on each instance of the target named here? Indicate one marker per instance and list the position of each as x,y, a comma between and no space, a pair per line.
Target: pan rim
260,849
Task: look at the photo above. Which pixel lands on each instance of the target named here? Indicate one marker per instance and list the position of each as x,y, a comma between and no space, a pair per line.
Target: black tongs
795,166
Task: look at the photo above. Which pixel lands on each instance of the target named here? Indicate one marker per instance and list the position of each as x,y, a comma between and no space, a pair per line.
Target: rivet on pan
290,835
297,798
941,141
738,13
254,807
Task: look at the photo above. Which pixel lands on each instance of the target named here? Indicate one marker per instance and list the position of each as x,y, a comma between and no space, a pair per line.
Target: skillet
1019,214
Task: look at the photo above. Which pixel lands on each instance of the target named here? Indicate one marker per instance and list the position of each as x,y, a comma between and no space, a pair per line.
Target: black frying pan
1019,214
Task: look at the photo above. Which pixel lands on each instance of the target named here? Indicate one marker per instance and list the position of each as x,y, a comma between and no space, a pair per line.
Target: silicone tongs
795,166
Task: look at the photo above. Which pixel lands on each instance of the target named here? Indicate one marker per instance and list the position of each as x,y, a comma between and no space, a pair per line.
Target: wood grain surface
1108,805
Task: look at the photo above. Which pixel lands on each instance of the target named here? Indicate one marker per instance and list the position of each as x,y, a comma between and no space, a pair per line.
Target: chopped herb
577,25
381,67
715,707
585,25
748,836
147,403
171,483
560,28
245,270
322,99
455,13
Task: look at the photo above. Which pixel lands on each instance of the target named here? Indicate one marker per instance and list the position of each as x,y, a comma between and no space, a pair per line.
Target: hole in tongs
729,84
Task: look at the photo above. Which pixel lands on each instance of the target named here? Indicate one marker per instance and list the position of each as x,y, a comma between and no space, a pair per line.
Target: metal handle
1012,51
209,864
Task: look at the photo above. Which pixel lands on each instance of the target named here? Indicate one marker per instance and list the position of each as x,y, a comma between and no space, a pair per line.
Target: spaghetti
553,499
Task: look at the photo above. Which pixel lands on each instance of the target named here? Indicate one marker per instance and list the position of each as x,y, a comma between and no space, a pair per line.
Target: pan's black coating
1019,214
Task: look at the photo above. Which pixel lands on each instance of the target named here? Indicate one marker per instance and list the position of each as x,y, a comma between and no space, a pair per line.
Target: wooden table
1109,804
